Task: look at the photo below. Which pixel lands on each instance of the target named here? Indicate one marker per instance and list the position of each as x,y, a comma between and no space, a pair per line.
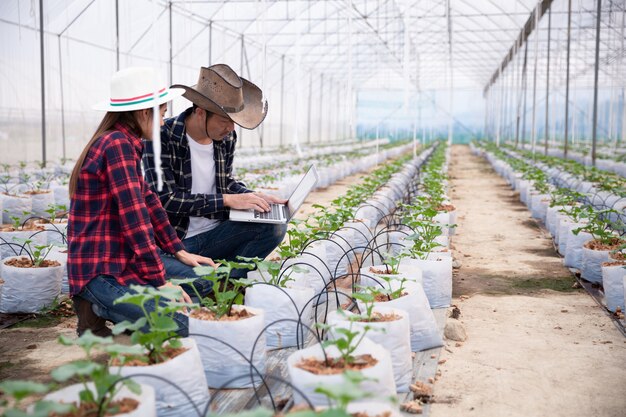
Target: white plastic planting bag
574,250
362,234
369,278
395,336
372,408
613,283
282,303
28,290
437,278
563,225
182,373
221,363
56,233
17,239
540,203
551,219
146,399
337,256
591,264
61,195
424,330
15,206
380,383
59,253
41,202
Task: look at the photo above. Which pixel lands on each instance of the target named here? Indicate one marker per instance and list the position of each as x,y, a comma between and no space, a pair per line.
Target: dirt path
535,347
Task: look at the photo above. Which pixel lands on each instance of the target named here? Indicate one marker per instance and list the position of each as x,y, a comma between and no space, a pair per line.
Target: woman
116,222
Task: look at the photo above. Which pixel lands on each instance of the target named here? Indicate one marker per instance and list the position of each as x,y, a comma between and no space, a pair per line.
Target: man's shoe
88,320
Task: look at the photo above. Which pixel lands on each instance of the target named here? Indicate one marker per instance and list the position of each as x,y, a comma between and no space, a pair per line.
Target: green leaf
78,368
20,389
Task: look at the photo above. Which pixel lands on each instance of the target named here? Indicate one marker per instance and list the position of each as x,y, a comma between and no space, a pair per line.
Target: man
197,150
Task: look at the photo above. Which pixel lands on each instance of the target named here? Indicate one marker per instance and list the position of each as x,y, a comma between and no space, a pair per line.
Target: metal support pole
169,108
594,123
62,100
547,128
210,41
117,34
533,129
242,55
43,85
567,60
282,99
308,124
321,125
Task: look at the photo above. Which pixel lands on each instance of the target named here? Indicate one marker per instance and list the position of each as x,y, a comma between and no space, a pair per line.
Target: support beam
282,100
546,132
567,61
530,25
43,85
594,122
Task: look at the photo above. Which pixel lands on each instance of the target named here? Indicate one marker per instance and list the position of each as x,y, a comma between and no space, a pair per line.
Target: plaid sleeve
126,189
232,185
164,233
176,200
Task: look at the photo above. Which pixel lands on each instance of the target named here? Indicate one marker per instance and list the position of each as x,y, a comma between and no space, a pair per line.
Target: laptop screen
302,190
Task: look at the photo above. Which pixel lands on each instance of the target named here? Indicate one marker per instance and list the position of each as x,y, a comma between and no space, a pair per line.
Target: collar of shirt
136,141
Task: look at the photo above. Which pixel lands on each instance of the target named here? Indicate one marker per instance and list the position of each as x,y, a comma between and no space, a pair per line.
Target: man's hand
271,198
192,259
246,201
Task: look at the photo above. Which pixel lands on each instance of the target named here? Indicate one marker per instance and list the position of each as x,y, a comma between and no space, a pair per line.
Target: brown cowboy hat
220,90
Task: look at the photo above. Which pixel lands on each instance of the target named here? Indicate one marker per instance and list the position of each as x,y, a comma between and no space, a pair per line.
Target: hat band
136,100
233,109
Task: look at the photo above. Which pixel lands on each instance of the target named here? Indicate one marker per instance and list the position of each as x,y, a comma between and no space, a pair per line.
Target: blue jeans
227,241
103,290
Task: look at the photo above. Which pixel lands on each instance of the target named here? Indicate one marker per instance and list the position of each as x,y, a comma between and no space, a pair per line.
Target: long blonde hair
129,119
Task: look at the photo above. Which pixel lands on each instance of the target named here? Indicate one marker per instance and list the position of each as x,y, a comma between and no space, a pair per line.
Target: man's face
218,127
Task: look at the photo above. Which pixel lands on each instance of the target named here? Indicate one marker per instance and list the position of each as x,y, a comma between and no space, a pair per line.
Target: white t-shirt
203,182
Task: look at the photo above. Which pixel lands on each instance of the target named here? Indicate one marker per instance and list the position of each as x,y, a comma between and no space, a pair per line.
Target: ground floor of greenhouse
537,344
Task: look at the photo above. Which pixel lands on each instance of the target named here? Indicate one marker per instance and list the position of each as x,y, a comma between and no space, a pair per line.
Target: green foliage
345,340
387,288
601,227
157,326
53,209
226,291
104,382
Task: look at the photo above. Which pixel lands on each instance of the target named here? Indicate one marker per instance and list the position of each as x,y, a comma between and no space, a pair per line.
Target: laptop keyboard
277,213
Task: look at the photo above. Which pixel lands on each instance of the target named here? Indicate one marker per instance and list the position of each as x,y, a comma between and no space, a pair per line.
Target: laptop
281,213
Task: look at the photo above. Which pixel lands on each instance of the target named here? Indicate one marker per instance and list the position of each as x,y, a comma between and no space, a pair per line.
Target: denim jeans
227,241
103,290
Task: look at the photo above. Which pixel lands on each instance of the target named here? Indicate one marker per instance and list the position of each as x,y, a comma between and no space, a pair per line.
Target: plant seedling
157,326
346,341
18,390
225,290
87,370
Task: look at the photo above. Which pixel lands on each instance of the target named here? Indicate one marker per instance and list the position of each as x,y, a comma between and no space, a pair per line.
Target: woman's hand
185,296
192,259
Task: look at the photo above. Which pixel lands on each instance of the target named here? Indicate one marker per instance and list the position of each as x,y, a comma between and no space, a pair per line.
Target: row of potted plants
588,236
239,352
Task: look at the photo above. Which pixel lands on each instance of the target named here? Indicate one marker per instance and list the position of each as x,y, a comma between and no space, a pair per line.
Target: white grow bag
146,399
591,265
380,383
613,282
437,278
185,371
282,303
424,330
18,237
574,249
28,290
395,336
221,363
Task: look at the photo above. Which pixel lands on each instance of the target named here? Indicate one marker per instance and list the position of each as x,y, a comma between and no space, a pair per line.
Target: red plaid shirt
116,221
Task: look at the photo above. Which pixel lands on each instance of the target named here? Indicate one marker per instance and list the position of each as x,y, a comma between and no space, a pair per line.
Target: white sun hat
135,88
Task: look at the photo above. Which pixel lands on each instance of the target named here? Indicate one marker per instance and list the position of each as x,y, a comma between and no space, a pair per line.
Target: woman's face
144,117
